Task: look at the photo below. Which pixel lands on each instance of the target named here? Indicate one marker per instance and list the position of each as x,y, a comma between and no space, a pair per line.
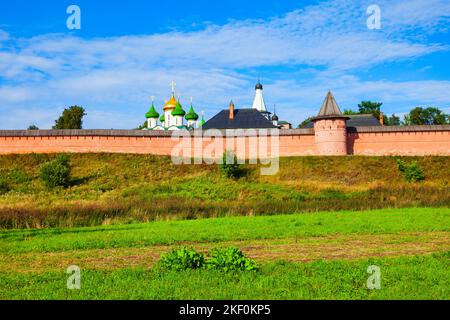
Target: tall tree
416,116
369,107
33,127
425,116
393,120
142,126
437,116
305,123
373,108
71,118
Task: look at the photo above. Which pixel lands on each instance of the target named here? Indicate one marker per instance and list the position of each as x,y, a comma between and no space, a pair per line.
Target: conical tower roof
330,109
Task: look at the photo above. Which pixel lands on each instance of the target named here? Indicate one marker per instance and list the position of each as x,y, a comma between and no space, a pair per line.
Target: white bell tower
259,103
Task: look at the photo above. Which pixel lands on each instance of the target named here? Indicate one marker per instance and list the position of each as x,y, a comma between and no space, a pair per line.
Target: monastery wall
374,141
406,141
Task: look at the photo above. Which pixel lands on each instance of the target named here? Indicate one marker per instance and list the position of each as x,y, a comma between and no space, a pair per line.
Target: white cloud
11,94
331,34
427,16
3,35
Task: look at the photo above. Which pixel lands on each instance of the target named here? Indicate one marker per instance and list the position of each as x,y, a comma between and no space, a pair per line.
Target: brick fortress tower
330,128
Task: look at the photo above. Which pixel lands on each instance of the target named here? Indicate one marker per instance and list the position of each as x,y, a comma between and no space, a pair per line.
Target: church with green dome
173,117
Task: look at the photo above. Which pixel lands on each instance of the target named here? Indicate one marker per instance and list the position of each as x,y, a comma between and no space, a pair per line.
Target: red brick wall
411,143
87,144
288,145
376,141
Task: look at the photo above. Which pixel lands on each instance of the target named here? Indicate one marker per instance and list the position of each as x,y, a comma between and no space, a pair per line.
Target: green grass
121,212
117,261
401,278
227,229
114,188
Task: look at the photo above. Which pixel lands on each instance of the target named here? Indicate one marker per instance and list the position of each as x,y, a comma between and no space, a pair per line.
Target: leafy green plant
182,259
4,186
230,259
230,168
56,173
412,171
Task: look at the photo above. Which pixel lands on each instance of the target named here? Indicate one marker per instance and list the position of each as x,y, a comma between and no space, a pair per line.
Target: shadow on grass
74,182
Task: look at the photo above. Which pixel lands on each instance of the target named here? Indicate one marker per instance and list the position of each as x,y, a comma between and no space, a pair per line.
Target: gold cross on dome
173,84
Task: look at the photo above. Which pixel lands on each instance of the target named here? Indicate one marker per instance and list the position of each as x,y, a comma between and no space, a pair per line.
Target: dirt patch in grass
349,247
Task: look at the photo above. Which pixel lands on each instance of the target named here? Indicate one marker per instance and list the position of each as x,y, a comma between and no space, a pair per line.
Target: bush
182,259
4,186
19,176
230,259
231,170
56,173
412,171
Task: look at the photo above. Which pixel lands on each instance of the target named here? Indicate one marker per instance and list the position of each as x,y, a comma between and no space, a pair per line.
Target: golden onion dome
171,104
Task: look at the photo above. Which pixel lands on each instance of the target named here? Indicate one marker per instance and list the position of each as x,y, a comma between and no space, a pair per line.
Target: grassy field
110,188
402,278
302,256
314,228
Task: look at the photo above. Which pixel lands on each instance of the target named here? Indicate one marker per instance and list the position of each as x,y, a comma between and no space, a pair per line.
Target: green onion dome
163,118
202,123
191,115
152,114
178,111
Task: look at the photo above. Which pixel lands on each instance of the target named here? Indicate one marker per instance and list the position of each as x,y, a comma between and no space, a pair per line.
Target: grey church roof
359,120
363,120
243,119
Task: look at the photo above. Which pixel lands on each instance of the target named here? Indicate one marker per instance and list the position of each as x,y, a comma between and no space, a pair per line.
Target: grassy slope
104,276
123,188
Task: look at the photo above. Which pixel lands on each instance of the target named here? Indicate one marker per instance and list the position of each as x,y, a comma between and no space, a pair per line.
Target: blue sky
127,52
